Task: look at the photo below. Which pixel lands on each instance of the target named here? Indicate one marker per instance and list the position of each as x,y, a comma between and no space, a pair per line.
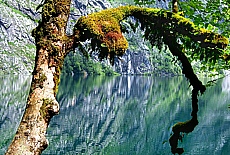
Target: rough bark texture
52,46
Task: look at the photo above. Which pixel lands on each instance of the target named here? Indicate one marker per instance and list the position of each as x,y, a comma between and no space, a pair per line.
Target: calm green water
125,115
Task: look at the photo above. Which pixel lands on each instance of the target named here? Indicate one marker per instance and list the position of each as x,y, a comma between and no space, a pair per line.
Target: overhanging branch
187,70
105,31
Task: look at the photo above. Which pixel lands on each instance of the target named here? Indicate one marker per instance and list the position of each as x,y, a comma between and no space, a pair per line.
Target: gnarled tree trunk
52,46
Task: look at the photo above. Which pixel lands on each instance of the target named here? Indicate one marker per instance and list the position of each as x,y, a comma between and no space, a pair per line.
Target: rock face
136,59
134,63
19,18
17,52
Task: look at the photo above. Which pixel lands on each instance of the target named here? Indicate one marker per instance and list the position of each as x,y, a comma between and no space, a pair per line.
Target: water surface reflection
133,116
122,115
13,94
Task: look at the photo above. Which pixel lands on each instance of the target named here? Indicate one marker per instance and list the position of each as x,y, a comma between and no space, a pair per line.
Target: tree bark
52,46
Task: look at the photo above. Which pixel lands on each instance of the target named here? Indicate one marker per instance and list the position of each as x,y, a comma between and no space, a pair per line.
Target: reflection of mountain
127,115
122,115
13,95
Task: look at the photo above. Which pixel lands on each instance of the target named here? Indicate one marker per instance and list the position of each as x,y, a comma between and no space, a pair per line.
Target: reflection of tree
80,86
184,127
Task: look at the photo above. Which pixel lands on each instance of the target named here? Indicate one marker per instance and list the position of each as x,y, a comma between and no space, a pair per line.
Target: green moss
57,74
45,108
50,21
105,29
57,79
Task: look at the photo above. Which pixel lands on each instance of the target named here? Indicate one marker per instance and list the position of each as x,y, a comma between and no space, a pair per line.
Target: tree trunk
52,46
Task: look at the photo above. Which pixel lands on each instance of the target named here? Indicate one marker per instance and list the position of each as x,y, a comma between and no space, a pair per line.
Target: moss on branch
105,30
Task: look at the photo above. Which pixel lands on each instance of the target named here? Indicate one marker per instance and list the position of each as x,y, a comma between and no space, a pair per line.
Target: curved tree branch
160,27
187,70
105,31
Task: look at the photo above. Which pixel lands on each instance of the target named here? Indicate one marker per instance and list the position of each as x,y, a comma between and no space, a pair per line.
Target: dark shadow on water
184,127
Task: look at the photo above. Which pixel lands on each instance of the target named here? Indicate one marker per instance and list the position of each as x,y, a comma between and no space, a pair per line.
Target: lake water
123,115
